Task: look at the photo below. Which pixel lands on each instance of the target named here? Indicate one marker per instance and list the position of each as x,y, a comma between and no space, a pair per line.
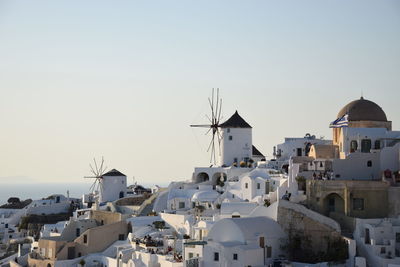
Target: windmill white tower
236,141
108,186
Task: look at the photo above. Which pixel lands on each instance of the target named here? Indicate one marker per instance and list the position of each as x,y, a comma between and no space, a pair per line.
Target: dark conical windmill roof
257,152
235,122
114,172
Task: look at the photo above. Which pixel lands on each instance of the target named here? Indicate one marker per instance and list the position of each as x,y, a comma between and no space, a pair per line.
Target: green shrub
159,224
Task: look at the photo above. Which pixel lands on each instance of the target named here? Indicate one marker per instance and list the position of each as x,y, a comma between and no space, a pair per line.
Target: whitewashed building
378,240
365,143
254,241
294,147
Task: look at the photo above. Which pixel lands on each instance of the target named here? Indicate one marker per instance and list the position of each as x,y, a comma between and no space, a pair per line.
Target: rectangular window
228,130
230,138
269,252
262,242
365,145
235,256
353,146
190,255
50,253
383,250
181,205
397,237
121,237
78,232
377,144
84,239
216,256
246,185
358,204
258,186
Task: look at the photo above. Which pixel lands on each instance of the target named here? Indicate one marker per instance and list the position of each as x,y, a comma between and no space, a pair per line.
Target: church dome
363,110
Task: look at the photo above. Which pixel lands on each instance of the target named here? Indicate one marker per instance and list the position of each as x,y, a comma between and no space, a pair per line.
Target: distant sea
41,190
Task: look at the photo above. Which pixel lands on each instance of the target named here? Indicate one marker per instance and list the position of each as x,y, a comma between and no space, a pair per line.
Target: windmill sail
215,103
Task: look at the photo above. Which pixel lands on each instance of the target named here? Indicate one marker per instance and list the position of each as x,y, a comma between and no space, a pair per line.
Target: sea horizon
41,190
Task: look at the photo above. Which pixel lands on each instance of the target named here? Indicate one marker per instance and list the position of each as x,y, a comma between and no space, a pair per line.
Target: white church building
364,145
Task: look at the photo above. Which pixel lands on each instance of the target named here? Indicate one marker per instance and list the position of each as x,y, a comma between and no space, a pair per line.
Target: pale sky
125,79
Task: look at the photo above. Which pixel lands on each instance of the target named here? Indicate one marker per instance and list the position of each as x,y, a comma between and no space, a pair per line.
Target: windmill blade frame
215,103
98,171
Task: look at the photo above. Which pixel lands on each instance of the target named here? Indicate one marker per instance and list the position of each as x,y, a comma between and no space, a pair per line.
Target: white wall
382,234
154,260
390,158
181,223
239,147
49,208
289,148
248,255
112,186
196,250
355,167
357,134
252,190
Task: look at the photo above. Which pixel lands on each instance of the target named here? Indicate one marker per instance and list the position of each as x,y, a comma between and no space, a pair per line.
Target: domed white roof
205,196
241,230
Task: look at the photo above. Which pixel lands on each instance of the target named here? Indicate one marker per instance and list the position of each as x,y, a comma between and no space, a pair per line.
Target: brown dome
363,110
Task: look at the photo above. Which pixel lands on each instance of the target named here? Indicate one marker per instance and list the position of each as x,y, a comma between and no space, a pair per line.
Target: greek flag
340,122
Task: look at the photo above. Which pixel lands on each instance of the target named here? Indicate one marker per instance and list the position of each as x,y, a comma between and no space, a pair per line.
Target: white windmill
97,171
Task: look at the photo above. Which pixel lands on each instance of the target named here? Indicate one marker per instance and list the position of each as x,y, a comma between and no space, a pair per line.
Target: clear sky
125,79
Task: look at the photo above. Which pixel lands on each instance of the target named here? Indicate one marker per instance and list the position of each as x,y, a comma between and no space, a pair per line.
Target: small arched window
365,145
377,144
353,146
369,163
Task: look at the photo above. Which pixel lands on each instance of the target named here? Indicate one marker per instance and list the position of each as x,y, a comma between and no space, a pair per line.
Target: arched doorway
285,168
333,203
219,178
202,177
